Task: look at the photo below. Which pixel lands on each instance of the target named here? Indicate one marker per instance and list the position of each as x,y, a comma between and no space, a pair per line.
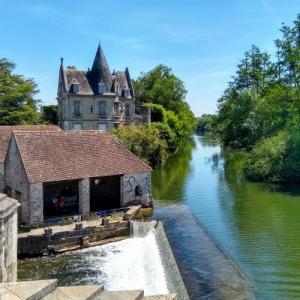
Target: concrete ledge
122,295
161,297
27,290
85,292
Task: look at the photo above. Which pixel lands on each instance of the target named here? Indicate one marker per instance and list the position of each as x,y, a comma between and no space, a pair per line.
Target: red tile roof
6,131
66,155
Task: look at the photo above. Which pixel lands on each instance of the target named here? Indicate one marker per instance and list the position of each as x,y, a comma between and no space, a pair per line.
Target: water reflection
168,182
257,224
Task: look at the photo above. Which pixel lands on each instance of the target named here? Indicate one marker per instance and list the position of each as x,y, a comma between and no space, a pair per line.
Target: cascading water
131,264
135,263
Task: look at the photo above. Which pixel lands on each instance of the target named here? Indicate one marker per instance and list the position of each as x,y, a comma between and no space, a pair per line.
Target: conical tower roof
100,70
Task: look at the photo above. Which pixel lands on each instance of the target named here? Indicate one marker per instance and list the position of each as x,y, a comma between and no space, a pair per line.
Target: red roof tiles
66,155
6,131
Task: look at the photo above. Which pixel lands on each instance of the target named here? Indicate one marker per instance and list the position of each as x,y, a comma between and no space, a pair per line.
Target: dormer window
126,92
101,88
75,87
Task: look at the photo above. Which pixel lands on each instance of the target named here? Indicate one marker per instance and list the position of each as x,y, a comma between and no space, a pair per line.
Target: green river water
257,224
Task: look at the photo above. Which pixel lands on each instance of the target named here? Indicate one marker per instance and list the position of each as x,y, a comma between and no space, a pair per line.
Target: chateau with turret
96,98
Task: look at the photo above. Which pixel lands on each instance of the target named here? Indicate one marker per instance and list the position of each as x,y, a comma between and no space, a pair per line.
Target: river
257,225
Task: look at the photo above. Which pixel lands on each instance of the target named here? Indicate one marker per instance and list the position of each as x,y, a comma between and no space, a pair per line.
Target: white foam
131,264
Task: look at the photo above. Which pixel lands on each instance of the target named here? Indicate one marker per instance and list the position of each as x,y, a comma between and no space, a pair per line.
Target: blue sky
201,40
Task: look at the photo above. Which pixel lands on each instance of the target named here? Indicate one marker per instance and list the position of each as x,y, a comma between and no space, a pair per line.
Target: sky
201,40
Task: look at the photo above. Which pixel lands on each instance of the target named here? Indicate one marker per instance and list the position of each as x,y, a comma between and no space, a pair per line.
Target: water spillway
136,263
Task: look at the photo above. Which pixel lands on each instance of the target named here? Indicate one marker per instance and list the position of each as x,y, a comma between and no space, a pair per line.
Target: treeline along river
258,225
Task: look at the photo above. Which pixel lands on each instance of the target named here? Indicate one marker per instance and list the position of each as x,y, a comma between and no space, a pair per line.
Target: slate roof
6,131
89,80
100,71
67,155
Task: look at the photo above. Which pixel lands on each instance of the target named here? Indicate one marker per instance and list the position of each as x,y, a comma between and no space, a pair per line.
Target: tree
17,103
288,54
160,86
49,114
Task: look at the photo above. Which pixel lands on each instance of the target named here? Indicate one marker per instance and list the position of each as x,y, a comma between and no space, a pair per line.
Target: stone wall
136,189
8,238
16,179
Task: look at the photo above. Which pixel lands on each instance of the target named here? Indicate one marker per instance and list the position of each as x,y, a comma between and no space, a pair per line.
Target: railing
66,220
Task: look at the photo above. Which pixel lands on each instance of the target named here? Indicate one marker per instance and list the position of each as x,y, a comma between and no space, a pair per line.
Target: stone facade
8,238
89,118
136,189
96,99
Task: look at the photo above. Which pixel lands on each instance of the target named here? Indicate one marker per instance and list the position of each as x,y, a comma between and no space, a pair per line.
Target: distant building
5,134
65,173
97,99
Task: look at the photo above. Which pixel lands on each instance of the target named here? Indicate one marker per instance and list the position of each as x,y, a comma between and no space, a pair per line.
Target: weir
144,261
154,231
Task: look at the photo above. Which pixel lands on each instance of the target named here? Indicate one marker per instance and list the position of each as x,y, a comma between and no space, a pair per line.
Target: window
75,88
127,110
92,109
126,93
102,109
102,126
77,108
76,126
116,108
101,88
138,190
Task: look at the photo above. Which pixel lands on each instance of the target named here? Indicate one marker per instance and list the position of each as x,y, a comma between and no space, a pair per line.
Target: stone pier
8,238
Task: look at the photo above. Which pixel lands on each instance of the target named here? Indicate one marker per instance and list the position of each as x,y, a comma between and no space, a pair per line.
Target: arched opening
138,191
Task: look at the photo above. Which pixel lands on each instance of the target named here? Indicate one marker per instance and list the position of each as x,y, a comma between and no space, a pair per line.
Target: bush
276,159
166,134
144,141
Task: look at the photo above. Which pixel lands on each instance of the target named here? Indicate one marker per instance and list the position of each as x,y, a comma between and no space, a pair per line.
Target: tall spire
100,70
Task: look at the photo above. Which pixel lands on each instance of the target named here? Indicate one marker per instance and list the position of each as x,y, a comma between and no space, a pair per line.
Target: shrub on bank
144,141
266,159
276,159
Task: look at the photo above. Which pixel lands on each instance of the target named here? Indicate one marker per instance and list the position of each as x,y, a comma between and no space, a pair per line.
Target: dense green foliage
276,159
160,86
145,141
261,106
206,123
49,114
172,119
17,103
